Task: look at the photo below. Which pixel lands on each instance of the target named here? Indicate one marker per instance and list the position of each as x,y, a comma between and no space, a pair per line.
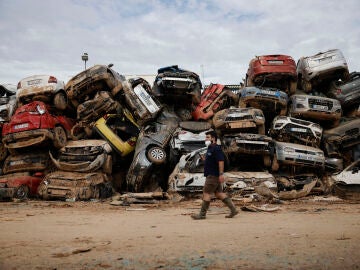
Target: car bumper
27,138
6,193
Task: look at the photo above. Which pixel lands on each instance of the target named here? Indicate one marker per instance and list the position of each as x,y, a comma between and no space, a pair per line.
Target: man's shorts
212,184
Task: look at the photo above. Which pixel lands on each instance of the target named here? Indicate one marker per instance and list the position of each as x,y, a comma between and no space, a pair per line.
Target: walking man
214,173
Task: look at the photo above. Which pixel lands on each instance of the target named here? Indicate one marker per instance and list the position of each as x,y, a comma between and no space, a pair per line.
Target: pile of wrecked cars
287,132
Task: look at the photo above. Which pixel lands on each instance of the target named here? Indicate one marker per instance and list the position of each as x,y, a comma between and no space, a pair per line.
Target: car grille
238,118
78,158
315,101
299,121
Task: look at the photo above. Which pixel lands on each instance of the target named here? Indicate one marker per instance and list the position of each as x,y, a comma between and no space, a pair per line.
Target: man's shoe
228,202
202,215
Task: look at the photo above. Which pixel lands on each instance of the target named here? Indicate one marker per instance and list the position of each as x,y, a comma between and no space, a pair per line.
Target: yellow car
119,130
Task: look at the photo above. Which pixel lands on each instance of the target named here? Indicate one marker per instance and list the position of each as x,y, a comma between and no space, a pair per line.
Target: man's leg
204,207
228,202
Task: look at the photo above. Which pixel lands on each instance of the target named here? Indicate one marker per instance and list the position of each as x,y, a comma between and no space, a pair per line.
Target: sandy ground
303,234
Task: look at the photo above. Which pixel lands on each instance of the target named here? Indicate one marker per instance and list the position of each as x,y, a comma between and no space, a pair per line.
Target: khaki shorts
212,184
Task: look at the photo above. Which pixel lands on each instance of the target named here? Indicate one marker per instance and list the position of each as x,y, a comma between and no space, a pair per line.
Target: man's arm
221,171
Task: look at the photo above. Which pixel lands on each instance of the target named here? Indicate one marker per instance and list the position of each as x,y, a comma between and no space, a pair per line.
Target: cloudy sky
215,39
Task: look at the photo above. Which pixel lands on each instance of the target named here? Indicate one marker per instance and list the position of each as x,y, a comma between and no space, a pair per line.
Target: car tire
3,152
156,155
306,86
60,139
275,164
21,192
60,101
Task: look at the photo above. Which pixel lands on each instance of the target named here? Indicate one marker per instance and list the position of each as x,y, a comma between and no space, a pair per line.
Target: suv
289,129
323,66
214,98
42,87
239,119
315,108
277,71
35,123
266,99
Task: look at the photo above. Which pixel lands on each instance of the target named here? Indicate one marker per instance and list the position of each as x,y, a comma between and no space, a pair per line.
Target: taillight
19,85
52,79
338,91
132,142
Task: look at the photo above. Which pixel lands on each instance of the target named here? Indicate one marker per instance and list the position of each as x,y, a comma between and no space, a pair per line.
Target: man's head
211,136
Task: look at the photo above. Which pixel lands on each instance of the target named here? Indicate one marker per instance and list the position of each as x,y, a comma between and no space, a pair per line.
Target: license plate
146,99
275,62
320,107
20,126
268,92
298,129
34,82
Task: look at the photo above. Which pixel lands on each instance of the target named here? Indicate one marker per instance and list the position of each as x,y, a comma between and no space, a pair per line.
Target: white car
7,101
45,88
347,182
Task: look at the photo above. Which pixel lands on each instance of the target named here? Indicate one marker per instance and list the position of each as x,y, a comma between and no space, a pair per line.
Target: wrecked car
147,170
347,182
249,144
84,156
315,108
119,130
87,83
297,155
215,97
278,71
7,101
289,129
323,66
45,88
342,137
35,123
23,174
234,119
266,99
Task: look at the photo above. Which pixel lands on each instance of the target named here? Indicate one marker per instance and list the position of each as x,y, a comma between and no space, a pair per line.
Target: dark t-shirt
214,154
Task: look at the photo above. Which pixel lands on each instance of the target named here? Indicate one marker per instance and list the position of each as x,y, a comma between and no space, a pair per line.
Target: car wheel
275,164
156,155
3,152
59,137
306,86
77,132
21,192
60,101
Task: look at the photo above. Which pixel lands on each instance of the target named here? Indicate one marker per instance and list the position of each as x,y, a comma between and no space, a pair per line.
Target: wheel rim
21,192
157,153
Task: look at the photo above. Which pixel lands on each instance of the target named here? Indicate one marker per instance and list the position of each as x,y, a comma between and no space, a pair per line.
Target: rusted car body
33,161
342,137
35,123
42,87
277,71
266,99
87,83
233,119
315,108
75,185
215,97
147,169
297,155
249,144
294,130
84,156
323,66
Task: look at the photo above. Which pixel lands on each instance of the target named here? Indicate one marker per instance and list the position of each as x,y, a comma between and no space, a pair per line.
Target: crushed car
323,66
347,182
45,88
214,98
7,101
36,123
278,71
250,120
294,130
266,99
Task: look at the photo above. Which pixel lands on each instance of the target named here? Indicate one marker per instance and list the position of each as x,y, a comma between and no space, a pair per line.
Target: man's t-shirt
214,154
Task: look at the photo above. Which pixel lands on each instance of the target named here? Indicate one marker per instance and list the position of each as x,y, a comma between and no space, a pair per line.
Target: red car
214,98
277,71
35,123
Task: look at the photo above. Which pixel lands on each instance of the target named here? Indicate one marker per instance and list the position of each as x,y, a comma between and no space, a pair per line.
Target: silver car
329,65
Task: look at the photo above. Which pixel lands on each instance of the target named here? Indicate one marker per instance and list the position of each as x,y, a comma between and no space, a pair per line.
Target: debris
263,208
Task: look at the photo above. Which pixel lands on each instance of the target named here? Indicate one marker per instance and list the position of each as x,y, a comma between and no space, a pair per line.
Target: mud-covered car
315,108
234,119
297,155
342,137
266,99
347,182
348,92
84,156
23,174
323,66
46,88
7,101
119,130
147,170
35,123
214,98
294,130
249,144
87,83
173,83
278,71
64,185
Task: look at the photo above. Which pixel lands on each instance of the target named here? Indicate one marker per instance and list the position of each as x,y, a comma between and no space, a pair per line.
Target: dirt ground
312,233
